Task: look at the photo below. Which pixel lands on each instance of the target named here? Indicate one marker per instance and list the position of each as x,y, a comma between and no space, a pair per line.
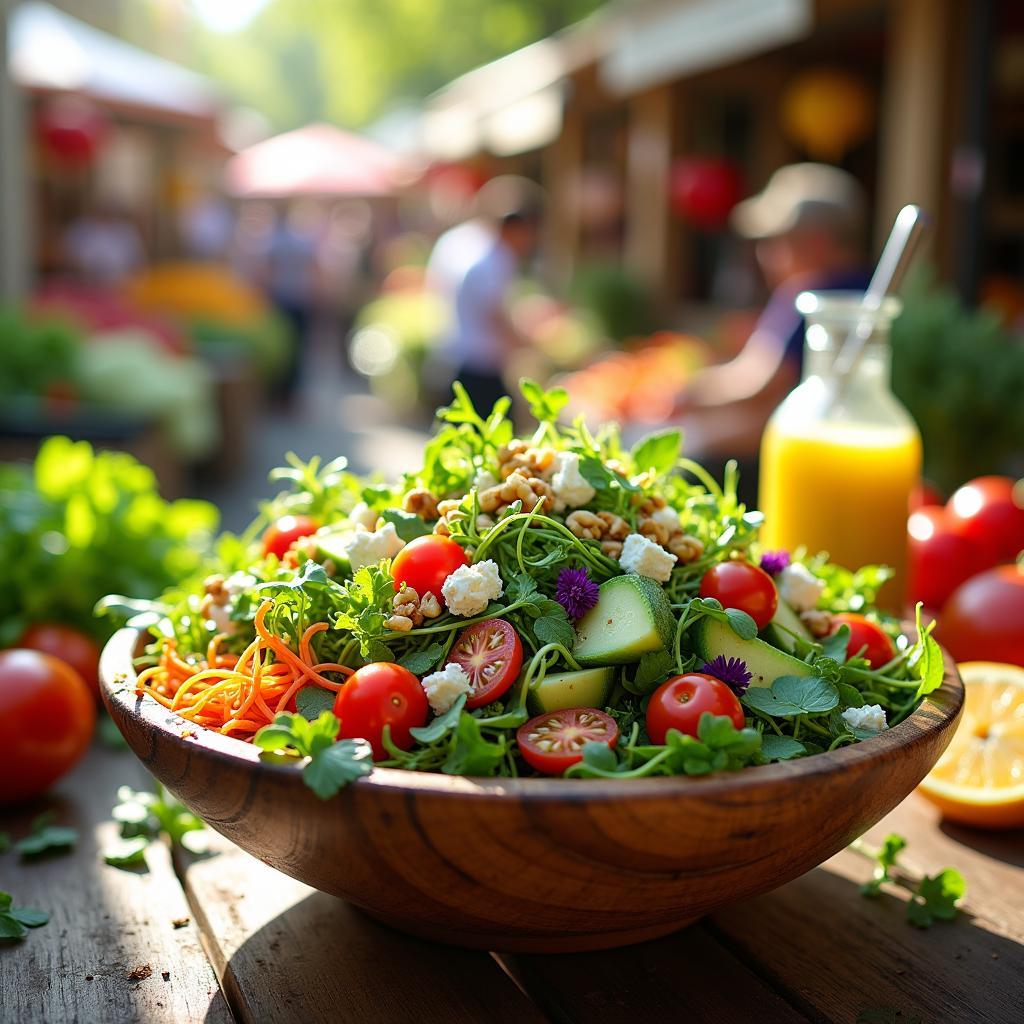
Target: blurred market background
216,216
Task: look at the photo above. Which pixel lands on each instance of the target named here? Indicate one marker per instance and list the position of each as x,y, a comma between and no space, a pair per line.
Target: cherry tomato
76,648
941,557
923,494
553,742
281,535
679,703
426,562
491,654
381,694
984,618
867,639
47,716
990,511
744,586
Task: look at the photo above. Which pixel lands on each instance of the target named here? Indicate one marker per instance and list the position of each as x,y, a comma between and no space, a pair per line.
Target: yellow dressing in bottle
836,475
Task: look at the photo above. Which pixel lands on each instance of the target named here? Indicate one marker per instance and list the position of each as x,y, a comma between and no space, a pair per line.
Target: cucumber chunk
631,618
587,689
333,544
779,632
765,663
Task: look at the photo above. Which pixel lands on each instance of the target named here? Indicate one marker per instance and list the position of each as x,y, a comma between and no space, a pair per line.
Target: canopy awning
318,160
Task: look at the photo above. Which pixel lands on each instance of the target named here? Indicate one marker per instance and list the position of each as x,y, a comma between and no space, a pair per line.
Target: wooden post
648,159
562,167
15,201
912,164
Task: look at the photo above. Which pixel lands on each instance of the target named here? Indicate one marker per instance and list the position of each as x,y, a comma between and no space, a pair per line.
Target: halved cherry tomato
680,701
491,654
426,562
377,695
990,511
744,586
72,646
47,716
281,535
867,639
553,742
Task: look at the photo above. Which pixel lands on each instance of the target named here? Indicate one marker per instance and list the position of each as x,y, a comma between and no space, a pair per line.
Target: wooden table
223,937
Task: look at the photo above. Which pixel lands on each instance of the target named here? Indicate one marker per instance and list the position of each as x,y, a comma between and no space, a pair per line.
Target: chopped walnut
430,607
685,547
519,457
441,528
421,503
612,548
653,530
585,525
215,587
528,490
409,607
615,527
818,623
650,505
446,506
399,623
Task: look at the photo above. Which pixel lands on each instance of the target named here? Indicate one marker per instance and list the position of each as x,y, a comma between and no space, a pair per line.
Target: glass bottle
836,473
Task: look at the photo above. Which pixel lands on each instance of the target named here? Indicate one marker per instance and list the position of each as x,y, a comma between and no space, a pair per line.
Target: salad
548,605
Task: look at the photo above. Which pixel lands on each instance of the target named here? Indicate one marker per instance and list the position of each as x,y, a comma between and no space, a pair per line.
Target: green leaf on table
741,623
936,897
792,695
11,928
312,701
127,853
781,748
419,663
407,525
658,452
337,765
15,921
885,858
440,726
45,838
145,814
30,917
471,754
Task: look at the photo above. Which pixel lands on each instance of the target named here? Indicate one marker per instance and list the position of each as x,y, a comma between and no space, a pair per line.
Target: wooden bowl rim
937,712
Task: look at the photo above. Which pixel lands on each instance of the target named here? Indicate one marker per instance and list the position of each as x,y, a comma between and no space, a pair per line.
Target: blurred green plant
622,306
961,375
39,354
81,524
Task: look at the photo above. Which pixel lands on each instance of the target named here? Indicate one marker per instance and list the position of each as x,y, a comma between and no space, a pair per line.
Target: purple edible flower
576,592
732,671
773,562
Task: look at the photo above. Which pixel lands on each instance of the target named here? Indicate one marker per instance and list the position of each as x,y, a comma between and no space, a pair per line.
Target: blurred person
807,226
104,246
473,268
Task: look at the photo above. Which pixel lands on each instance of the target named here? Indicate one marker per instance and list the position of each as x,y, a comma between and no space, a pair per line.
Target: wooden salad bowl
534,865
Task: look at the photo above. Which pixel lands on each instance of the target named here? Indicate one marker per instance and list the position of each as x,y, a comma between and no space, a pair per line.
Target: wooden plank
106,925
835,953
285,952
688,974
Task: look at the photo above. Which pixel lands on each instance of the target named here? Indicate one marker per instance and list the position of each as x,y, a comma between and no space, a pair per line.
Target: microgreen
658,452
792,695
15,921
46,838
144,817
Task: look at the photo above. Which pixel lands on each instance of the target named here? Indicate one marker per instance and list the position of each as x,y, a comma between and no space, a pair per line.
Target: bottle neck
873,371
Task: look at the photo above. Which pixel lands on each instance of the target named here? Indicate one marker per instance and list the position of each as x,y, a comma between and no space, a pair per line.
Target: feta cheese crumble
484,480
569,485
362,515
367,548
444,688
646,558
667,517
469,589
799,587
870,718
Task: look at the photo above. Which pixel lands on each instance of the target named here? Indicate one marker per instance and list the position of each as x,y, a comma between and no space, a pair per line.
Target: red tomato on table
378,695
553,742
990,511
47,716
72,646
867,639
491,654
680,701
744,586
941,557
426,562
984,619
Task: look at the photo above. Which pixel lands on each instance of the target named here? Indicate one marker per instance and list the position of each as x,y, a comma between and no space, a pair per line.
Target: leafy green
364,605
45,838
834,646
331,763
651,671
407,525
545,406
312,701
127,853
143,817
440,726
472,754
419,663
781,748
15,921
741,623
658,452
792,695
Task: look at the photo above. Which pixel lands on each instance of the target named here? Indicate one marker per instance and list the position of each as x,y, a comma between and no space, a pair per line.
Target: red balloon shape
703,190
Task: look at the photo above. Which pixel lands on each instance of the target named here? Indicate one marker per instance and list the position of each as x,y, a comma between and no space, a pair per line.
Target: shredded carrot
238,695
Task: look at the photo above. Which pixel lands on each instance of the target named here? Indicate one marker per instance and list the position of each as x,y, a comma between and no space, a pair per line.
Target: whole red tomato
378,695
923,494
867,639
76,648
990,511
679,703
984,618
47,716
941,557
283,533
426,562
744,586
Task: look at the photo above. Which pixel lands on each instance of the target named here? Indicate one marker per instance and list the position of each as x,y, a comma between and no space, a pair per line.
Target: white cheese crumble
667,517
870,718
570,488
799,587
444,688
364,516
646,558
367,548
239,581
468,590
484,479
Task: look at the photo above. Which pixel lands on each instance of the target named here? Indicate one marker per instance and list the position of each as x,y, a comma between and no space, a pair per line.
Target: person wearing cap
472,268
807,226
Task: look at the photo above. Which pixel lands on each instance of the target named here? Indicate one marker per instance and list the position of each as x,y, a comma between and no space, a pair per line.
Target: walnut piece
399,623
585,525
685,547
818,623
420,503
